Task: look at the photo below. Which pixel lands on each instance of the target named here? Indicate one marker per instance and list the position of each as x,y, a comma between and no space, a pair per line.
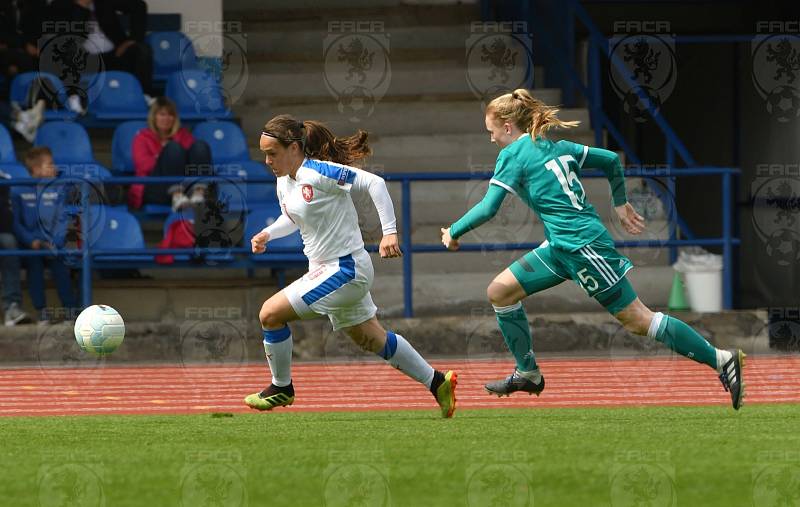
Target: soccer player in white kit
315,180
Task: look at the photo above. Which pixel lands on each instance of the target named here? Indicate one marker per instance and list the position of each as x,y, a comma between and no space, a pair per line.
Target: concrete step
459,293
228,335
286,7
446,152
172,296
282,80
399,12
498,230
324,36
393,117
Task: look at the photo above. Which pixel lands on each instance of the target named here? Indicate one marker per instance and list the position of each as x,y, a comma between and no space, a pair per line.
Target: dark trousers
138,60
60,273
175,161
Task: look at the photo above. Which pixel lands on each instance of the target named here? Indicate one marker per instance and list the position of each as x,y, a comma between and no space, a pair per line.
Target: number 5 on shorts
585,279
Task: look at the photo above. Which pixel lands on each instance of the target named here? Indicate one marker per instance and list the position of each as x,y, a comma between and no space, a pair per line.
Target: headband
288,140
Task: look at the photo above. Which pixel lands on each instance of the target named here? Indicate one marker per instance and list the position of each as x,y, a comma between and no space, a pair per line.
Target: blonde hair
159,104
529,114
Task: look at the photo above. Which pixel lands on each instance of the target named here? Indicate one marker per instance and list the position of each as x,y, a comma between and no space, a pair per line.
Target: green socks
517,333
680,337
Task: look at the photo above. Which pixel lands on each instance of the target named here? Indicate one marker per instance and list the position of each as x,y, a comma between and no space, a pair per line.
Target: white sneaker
179,201
28,121
198,197
74,105
25,130
14,315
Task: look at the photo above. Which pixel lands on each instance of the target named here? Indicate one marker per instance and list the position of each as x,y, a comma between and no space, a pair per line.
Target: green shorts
597,268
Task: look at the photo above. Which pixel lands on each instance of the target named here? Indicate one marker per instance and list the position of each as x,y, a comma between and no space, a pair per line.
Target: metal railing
91,258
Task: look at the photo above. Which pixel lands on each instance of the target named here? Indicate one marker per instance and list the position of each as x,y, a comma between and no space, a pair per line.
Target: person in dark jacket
9,265
99,23
40,222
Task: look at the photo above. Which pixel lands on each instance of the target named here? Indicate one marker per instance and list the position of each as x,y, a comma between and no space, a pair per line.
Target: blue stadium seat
7,153
122,145
111,228
197,95
69,142
251,194
14,169
260,217
22,83
120,97
226,139
172,51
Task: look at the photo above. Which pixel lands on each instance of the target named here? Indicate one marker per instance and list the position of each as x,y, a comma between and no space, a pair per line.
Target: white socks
400,354
723,356
534,376
278,348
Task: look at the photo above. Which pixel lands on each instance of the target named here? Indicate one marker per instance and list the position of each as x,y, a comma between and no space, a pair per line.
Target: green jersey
546,176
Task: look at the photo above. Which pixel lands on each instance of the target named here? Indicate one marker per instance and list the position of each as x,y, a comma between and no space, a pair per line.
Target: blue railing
89,255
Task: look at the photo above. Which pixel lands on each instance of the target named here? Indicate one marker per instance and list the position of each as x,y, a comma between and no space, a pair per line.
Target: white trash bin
702,277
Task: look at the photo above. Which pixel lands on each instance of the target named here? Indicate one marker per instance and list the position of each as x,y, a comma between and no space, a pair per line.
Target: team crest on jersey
308,192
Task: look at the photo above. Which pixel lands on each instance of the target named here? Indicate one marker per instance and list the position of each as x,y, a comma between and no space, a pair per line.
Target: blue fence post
672,216
595,93
569,44
727,245
408,276
86,273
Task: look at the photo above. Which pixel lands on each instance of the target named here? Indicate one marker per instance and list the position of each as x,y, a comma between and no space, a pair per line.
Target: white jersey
318,201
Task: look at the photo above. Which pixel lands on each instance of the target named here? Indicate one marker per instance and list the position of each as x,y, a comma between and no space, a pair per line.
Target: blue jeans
60,273
9,270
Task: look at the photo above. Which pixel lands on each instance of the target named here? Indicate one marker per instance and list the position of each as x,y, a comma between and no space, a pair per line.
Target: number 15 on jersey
560,167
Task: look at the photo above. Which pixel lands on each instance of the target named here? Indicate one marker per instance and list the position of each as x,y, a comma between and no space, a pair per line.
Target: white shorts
338,289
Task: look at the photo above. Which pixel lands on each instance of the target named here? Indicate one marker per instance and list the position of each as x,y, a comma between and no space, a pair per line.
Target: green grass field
642,456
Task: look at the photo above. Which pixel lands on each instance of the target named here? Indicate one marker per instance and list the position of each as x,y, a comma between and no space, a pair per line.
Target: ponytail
527,113
317,141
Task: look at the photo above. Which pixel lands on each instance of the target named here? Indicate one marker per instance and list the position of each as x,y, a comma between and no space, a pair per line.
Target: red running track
374,386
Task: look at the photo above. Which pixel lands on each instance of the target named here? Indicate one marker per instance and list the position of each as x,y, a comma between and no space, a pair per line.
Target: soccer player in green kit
545,175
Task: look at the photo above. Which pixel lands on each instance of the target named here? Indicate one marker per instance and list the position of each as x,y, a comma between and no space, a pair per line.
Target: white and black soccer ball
356,101
783,103
635,106
99,329
784,246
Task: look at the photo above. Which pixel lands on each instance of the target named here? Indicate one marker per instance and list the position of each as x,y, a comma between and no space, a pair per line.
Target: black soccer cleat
514,383
731,378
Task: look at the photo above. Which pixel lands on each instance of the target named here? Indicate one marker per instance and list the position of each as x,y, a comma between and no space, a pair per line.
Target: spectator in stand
40,222
101,26
20,28
165,148
9,265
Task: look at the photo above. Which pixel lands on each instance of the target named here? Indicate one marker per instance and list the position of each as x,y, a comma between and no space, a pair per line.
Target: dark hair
35,154
317,141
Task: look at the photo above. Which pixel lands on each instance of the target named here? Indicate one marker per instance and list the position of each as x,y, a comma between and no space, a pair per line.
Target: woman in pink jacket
164,148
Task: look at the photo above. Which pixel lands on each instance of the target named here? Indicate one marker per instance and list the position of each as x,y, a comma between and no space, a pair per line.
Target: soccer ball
634,106
783,103
99,329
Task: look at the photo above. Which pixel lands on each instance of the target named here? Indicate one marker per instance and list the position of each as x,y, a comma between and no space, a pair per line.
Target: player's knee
499,295
269,318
